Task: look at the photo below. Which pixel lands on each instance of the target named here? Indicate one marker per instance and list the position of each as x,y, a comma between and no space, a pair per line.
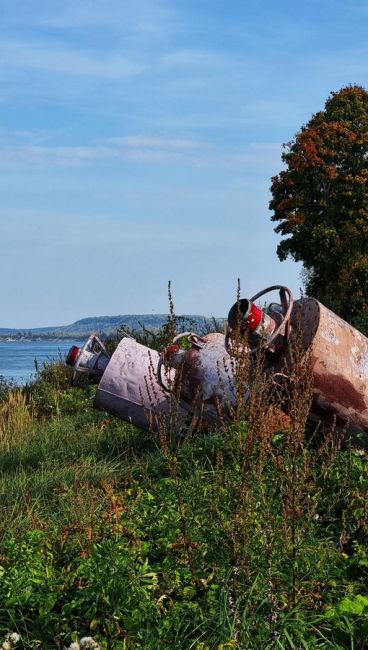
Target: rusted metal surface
339,355
168,390
129,390
338,352
205,378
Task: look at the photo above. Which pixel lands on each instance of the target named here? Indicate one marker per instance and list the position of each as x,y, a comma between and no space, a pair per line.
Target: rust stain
189,375
338,390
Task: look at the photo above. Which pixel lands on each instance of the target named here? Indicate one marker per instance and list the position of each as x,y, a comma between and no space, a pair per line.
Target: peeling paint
339,363
205,377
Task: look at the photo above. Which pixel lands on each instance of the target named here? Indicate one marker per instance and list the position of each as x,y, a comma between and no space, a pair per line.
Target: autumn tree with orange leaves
321,202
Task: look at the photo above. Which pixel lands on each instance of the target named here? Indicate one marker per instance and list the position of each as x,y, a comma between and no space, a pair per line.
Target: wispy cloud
196,153
18,156
53,58
148,16
161,144
57,57
14,157
192,57
144,150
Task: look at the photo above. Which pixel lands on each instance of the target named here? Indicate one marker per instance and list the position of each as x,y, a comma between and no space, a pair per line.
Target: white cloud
150,16
192,57
145,150
14,157
56,59
152,143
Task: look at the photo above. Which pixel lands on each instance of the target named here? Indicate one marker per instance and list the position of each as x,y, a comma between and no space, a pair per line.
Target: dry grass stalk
15,419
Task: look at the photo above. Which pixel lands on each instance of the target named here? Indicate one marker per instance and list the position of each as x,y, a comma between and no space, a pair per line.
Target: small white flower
74,646
359,452
6,645
13,637
88,643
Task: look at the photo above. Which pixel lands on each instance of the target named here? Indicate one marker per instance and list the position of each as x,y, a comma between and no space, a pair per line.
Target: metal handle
193,338
287,303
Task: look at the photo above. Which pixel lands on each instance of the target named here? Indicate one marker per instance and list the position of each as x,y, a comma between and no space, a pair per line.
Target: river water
17,358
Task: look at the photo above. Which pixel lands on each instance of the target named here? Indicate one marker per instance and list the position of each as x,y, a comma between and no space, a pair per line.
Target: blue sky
138,140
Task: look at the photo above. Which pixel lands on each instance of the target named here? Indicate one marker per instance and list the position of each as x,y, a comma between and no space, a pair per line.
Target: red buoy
254,317
72,355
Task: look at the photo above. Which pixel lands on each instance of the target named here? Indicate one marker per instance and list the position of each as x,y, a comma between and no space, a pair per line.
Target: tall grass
252,536
15,419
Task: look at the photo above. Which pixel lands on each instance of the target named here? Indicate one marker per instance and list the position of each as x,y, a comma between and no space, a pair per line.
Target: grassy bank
252,537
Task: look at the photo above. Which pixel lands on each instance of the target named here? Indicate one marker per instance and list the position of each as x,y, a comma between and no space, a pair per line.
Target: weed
252,536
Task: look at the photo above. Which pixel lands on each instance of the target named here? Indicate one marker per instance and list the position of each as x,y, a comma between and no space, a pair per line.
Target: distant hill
105,325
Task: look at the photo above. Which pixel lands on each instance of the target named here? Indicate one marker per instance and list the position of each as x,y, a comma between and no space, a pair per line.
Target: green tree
321,202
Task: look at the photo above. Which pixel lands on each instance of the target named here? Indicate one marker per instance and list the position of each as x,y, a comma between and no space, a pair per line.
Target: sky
138,141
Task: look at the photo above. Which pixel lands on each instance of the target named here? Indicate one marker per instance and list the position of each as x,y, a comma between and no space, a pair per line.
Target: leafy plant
252,536
321,203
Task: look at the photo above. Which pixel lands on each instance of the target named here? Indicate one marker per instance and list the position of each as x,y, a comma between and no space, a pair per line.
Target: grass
242,538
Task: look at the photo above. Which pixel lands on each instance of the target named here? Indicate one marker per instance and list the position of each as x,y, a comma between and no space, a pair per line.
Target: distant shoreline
35,339
105,326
